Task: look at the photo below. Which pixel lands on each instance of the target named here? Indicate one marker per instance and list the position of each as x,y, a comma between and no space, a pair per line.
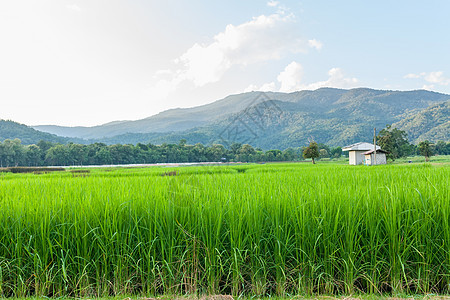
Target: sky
89,62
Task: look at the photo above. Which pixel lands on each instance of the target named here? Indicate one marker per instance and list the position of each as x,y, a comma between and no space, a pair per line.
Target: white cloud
436,77
291,78
272,3
315,44
163,72
163,88
336,79
267,87
264,38
73,7
411,75
204,64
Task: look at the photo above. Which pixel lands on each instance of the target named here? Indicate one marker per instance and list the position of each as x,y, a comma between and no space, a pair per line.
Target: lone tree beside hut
395,142
426,150
312,151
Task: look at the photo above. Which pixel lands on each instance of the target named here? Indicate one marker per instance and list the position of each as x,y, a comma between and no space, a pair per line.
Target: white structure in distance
362,153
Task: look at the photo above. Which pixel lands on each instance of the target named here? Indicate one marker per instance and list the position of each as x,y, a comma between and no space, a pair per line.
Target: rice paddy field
276,230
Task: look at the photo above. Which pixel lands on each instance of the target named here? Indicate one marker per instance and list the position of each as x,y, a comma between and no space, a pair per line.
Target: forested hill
28,135
280,120
329,111
432,123
331,116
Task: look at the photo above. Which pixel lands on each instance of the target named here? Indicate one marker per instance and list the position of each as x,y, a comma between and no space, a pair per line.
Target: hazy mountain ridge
332,118
178,119
280,120
12,130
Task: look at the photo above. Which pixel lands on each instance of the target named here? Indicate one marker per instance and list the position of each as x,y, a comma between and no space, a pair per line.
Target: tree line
45,153
395,142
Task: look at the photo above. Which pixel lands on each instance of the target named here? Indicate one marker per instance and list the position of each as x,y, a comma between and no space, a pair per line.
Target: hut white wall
355,157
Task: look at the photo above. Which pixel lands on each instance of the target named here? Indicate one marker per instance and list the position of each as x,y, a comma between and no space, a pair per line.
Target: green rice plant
275,230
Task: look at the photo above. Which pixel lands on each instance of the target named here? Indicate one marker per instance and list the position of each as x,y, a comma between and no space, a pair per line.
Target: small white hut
356,152
369,157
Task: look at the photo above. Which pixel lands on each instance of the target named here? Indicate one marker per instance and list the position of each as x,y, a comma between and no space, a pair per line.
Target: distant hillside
332,116
432,123
28,135
280,120
178,119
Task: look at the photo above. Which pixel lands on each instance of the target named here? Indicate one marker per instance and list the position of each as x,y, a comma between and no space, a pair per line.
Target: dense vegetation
250,229
13,153
28,135
432,123
335,117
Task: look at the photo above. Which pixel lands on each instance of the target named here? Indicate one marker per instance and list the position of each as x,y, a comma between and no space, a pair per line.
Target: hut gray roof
361,146
378,151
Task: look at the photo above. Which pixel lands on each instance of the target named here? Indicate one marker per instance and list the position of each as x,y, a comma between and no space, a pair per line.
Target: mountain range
280,120
12,130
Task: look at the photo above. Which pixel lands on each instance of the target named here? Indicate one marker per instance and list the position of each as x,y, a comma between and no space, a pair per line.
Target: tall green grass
269,230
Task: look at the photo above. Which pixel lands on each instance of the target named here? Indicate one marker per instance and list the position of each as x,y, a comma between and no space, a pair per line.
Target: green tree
395,142
143,147
198,153
77,154
34,155
325,147
336,152
289,154
45,145
58,156
246,152
235,147
182,143
12,153
425,149
323,153
442,148
103,156
275,155
216,152
312,151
